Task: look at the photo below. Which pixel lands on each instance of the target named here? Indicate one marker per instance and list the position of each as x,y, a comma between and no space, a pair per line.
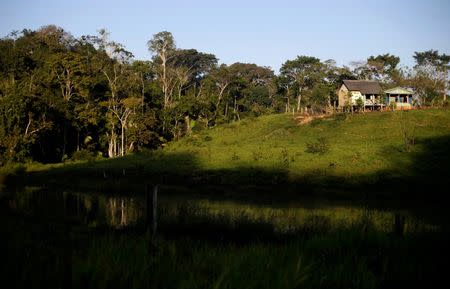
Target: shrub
392,105
320,146
83,155
359,103
257,155
285,158
340,116
315,122
235,157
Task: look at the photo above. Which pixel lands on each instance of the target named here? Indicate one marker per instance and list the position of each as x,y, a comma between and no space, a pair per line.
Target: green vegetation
64,97
356,153
210,245
234,242
81,113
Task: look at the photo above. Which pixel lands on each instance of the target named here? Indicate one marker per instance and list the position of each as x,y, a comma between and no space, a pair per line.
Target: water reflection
95,210
89,209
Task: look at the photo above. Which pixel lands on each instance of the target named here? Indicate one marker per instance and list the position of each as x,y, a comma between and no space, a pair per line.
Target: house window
367,97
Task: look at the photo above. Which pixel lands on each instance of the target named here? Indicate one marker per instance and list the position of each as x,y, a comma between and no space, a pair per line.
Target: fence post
152,200
399,224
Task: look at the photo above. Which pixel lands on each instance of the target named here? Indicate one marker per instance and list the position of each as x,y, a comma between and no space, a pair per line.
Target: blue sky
262,32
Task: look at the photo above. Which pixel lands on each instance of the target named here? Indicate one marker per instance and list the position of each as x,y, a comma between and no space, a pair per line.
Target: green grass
360,144
349,153
50,255
240,241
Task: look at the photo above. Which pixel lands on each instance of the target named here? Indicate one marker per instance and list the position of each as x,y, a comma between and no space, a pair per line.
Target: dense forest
63,97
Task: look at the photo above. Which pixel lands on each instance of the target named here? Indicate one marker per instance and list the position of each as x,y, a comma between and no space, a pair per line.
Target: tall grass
346,258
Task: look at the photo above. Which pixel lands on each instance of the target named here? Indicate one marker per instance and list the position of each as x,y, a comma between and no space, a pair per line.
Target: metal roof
399,90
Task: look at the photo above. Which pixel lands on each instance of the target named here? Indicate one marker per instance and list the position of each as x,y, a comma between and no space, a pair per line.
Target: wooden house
367,90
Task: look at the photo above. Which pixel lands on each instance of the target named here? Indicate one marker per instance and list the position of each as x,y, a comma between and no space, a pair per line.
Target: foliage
83,155
359,103
381,68
319,146
57,90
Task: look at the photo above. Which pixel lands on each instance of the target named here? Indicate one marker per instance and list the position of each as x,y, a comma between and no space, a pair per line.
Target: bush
83,155
315,122
257,155
340,116
284,156
320,146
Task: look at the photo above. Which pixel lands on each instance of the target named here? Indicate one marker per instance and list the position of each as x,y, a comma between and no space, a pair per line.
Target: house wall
355,96
342,96
345,98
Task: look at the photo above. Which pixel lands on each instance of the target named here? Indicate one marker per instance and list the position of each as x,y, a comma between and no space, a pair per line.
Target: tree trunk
122,138
143,92
64,139
445,87
78,140
299,100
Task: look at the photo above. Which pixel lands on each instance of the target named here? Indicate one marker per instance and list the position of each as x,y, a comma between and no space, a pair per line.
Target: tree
117,73
189,68
144,74
302,72
222,77
321,97
381,68
436,67
162,46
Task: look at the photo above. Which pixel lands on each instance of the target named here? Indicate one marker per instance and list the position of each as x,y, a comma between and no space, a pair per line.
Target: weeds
320,146
284,157
256,155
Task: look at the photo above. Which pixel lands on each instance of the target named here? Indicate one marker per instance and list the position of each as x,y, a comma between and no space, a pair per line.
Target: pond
196,214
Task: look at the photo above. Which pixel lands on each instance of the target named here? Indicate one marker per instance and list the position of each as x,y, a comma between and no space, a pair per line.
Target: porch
399,98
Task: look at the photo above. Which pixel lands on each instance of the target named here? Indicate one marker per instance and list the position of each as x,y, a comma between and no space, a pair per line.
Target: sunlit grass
359,144
273,149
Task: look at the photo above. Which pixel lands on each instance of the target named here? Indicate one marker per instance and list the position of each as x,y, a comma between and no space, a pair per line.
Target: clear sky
262,32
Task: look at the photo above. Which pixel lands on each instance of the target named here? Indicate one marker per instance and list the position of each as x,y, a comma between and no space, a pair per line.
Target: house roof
399,90
363,86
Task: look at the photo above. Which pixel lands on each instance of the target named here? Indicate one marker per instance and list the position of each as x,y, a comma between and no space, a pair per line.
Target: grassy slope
364,148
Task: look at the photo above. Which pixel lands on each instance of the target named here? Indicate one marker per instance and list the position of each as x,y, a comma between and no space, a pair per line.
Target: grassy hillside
359,144
364,150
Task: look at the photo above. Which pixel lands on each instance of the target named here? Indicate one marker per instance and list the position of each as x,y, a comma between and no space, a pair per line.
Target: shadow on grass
424,176
39,250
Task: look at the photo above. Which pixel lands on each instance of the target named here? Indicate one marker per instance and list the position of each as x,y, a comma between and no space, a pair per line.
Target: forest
63,97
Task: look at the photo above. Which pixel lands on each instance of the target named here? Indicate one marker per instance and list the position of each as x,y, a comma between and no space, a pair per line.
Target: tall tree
302,72
117,73
162,45
435,66
383,68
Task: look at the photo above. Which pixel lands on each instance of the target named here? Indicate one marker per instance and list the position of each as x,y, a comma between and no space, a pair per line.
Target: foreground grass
49,255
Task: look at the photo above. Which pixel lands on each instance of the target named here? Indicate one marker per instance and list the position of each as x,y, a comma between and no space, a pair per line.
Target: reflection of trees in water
112,211
121,211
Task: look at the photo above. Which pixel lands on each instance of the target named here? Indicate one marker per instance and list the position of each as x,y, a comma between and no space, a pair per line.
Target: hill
401,151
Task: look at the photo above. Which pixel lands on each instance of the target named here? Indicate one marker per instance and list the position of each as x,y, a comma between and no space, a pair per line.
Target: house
399,98
372,96
367,90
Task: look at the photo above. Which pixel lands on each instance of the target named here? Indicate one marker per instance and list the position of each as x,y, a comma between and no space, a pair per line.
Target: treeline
63,97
